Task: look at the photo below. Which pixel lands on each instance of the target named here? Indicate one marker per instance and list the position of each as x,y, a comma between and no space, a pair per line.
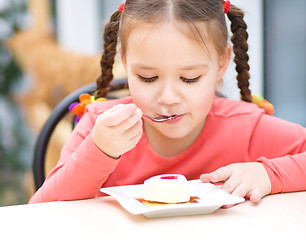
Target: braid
240,48
108,57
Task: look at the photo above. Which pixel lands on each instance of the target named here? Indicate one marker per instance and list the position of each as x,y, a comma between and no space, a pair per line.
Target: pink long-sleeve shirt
234,131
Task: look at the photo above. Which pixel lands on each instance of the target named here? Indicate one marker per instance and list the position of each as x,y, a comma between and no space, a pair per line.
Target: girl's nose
169,94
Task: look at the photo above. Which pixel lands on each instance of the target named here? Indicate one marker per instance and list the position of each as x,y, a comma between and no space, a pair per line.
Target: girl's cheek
141,100
142,96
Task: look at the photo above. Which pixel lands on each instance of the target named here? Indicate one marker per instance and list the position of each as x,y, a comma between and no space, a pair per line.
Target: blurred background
50,48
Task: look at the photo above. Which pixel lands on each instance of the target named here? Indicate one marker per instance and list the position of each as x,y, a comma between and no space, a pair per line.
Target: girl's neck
170,147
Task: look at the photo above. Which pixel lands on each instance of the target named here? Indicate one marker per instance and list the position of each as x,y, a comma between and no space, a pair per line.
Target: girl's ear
224,61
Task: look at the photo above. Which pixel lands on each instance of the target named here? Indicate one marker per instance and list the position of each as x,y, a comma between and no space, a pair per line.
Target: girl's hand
118,129
248,180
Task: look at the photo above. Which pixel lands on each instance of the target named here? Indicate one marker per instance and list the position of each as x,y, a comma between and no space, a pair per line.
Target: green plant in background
15,137
9,24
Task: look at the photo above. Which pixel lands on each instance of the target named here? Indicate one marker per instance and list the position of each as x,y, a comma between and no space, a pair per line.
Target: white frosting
167,188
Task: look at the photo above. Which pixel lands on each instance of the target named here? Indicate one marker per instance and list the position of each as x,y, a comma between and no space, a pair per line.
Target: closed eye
190,80
148,80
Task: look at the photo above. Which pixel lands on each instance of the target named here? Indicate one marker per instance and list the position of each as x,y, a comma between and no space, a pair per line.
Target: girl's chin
175,132
181,128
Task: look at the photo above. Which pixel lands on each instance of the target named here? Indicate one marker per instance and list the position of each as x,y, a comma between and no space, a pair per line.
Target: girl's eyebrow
142,66
188,67
195,66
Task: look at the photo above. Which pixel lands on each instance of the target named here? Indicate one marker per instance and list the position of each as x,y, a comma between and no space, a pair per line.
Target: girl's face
171,74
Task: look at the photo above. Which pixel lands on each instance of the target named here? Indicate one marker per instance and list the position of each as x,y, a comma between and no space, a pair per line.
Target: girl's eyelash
152,79
190,80
148,80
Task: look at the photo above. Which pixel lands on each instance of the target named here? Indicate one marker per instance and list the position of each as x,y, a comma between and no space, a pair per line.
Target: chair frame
56,116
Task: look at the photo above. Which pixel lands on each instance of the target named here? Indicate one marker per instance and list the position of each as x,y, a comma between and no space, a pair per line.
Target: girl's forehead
186,29
156,34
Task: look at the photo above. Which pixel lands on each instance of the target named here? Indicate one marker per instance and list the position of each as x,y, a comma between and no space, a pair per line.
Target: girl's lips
175,119
166,116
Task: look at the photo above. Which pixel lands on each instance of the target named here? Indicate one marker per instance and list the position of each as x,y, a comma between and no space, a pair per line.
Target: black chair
56,116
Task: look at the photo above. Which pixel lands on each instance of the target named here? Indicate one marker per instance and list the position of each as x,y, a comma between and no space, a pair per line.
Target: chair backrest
56,116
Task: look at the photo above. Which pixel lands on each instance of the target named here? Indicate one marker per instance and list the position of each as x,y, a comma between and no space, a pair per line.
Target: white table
281,216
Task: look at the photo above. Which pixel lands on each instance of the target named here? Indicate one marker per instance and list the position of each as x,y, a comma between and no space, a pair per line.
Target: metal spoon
159,118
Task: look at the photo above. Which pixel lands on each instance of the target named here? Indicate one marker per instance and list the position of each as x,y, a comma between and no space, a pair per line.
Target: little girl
175,53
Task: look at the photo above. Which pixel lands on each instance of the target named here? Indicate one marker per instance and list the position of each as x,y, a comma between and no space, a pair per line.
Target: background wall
79,24
285,58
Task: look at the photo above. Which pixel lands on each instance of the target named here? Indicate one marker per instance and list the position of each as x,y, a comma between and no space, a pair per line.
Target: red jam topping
147,203
169,177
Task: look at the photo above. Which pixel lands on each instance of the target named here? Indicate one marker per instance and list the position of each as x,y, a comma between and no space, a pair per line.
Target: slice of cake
167,188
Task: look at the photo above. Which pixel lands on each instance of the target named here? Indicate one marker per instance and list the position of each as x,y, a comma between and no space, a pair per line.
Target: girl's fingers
118,114
255,196
205,178
134,130
135,139
231,184
220,175
249,180
123,125
242,190
129,123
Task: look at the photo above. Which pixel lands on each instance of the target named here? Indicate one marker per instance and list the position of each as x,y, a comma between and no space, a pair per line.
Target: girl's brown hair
189,12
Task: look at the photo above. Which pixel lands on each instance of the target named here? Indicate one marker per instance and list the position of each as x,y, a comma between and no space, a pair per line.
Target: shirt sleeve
81,169
282,148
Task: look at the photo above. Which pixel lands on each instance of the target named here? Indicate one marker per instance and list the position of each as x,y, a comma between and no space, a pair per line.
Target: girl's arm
282,148
81,170
85,161
287,174
279,149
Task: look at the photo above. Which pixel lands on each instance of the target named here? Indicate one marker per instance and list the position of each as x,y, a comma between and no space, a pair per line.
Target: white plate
210,199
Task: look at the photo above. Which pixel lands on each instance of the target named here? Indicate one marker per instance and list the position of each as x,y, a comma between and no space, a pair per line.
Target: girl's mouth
166,117
172,118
